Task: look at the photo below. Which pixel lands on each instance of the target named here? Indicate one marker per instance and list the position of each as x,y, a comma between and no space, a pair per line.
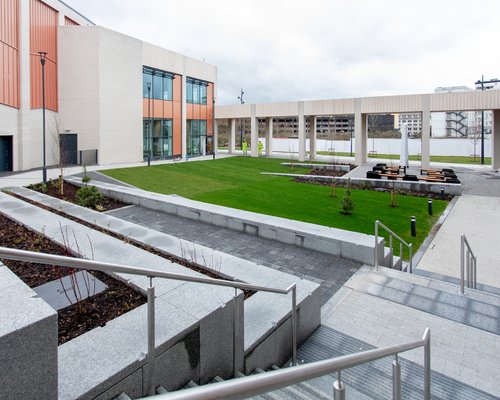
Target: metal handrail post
396,379
411,258
338,388
151,357
391,255
462,245
294,324
427,364
401,256
376,244
475,272
467,267
236,332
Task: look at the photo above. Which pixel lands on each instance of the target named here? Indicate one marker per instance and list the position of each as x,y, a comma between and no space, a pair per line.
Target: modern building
109,98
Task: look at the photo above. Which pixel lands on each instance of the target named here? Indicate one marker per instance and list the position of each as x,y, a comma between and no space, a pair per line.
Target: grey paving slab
70,289
374,380
328,270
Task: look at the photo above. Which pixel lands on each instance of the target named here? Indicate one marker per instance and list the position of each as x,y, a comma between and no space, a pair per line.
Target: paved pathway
328,270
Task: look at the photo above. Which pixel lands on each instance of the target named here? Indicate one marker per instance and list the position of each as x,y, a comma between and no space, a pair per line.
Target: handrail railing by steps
468,258
253,385
401,242
79,263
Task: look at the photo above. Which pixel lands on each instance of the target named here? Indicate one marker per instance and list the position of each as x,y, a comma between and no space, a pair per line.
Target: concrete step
122,396
374,380
190,384
217,379
161,390
418,293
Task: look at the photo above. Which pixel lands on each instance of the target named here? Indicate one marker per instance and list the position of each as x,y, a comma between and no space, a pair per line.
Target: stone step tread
453,306
374,380
122,396
161,390
421,277
455,282
191,384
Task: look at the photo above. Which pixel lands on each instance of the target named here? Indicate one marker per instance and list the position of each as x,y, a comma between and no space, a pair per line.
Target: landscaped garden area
237,182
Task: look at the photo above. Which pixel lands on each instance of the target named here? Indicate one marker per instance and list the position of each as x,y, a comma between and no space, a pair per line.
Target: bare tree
59,152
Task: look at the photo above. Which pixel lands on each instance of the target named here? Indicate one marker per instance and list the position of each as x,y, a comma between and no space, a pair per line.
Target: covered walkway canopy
361,107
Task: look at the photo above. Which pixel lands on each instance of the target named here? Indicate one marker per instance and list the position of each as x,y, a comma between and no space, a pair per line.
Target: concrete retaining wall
351,245
28,342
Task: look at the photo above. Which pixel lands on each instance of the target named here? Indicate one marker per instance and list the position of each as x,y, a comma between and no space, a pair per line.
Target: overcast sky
280,50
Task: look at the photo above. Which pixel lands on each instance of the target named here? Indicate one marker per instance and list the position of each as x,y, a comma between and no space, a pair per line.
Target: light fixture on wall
43,56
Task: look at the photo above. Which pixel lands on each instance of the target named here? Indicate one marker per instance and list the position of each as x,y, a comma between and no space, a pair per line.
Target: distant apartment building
412,120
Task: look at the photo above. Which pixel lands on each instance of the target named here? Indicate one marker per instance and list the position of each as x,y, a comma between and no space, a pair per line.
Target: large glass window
146,79
196,137
160,83
157,138
196,91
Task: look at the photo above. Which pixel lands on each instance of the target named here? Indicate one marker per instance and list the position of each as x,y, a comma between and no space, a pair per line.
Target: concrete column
426,131
22,159
254,132
312,136
232,136
269,137
301,121
360,133
495,141
183,118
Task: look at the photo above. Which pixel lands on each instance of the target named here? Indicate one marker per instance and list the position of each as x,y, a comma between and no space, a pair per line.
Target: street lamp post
213,127
483,88
240,98
43,55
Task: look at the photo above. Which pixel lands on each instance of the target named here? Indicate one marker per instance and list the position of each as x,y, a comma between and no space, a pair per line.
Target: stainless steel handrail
253,385
468,258
79,263
401,241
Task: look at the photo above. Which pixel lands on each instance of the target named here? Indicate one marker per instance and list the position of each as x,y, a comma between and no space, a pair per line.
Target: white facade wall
439,147
101,88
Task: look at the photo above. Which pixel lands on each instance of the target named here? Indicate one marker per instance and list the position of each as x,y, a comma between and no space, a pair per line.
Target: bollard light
413,226
429,206
149,160
442,193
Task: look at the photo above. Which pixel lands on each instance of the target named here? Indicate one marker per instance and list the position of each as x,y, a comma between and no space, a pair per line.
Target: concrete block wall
28,342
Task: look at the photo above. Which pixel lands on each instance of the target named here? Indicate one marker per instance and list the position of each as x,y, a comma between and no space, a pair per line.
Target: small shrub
347,204
85,179
88,196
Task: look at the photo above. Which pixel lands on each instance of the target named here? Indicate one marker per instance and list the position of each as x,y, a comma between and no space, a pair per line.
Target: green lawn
237,182
442,159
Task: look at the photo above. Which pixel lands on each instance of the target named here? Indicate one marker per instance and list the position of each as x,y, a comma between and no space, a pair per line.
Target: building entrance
5,153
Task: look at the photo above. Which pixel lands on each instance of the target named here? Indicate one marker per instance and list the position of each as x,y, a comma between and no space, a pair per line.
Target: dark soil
79,318
326,172
52,189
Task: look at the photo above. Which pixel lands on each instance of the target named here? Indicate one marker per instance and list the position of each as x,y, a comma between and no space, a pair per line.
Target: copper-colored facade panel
9,42
177,109
43,37
189,111
70,22
156,108
203,111
177,137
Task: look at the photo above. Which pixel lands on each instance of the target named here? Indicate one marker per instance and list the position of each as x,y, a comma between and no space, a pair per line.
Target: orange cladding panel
189,111
168,109
9,55
177,82
203,112
177,109
177,137
43,37
156,108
